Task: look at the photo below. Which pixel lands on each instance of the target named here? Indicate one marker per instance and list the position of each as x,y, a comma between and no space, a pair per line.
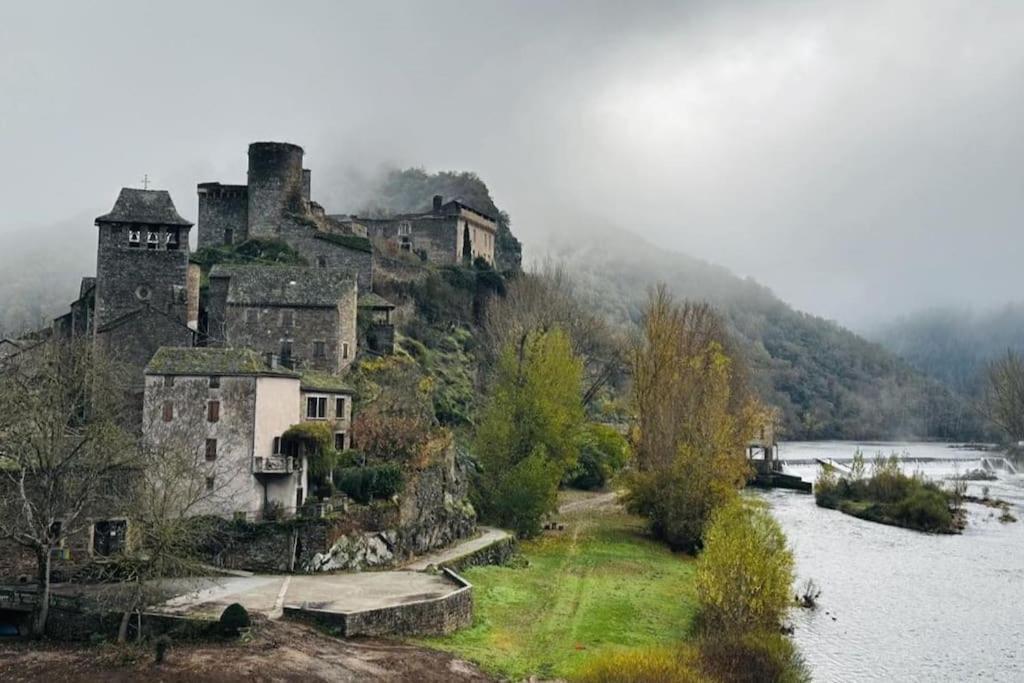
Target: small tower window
213,411
171,240
229,236
168,411
319,349
152,240
211,450
344,350
134,238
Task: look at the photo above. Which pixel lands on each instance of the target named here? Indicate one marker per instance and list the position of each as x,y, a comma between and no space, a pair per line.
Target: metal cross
145,181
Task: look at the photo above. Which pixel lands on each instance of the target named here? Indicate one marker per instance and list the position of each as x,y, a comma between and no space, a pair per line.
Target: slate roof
298,286
210,361
349,241
153,207
371,300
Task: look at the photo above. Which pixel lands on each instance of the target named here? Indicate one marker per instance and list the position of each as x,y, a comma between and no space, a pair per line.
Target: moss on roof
323,381
206,361
371,300
285,285
350,241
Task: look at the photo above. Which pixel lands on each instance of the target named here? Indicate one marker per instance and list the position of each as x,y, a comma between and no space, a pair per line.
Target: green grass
601,585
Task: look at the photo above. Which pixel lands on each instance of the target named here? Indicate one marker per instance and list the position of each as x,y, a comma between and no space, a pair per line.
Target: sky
862,159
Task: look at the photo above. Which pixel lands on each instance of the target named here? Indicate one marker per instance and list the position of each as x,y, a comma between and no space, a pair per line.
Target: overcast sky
862,159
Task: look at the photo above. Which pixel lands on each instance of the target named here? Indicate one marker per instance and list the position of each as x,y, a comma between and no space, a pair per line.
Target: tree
529,432
543,300
693,417
745,573
64,451
1003,401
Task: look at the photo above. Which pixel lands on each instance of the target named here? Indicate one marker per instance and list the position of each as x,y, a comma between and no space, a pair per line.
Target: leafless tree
63,450
1003,402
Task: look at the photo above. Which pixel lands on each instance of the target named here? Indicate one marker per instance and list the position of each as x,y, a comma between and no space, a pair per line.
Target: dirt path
590,502
276,651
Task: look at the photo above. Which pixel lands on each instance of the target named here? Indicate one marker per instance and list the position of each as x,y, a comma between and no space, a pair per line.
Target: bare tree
64,451
1003,402
542,300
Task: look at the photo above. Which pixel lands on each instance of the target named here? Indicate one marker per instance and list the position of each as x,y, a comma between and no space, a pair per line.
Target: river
899,605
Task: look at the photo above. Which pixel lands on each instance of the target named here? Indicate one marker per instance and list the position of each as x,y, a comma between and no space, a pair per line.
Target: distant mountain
828,382
953,345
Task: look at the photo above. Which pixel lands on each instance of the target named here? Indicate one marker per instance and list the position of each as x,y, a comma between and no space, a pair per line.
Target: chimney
273,362
437,203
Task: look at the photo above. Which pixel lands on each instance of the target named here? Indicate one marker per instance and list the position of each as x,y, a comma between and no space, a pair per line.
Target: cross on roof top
145,181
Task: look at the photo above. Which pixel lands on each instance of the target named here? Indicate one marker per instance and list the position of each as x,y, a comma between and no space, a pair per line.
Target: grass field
599,585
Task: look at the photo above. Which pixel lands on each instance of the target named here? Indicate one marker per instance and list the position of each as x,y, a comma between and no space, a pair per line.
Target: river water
899,605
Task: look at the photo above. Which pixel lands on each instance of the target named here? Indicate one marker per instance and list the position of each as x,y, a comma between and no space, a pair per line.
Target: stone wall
436,616
223,213
322,252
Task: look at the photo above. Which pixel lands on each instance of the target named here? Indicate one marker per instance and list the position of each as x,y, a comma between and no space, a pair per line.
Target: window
229,236
152,240
168,381
209,484
321,261
286,352
287,318
319,350
57,533
108,536
344,350
339,441
404,229
211,450
171,239
168,411
298,498
252,315
277,445
213,411
134,238
339,408
215,382
316,407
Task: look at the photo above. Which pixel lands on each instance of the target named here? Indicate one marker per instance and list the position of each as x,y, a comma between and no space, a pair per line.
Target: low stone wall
499,552
436,616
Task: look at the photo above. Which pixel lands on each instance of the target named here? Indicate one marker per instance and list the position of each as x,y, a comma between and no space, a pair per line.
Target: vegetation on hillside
826,382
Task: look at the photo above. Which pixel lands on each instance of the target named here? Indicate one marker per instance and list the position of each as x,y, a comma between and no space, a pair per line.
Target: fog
861,159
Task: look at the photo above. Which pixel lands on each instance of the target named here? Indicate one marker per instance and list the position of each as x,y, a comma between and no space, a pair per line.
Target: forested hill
953,345
828,382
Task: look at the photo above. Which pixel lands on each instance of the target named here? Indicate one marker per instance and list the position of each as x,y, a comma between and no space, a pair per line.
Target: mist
860,159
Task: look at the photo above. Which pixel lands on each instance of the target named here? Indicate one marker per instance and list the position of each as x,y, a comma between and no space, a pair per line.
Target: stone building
450,232
305,316
232,407
275,203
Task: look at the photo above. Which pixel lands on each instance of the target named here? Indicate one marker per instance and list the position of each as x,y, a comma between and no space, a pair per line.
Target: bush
925,508
763,656
363,484
650,665
234,618
603,453
520,496
160,647
745,573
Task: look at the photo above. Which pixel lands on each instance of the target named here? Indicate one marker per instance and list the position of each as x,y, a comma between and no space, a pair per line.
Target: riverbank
598,586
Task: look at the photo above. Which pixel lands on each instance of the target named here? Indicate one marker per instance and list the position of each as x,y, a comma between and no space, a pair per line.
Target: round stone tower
275,186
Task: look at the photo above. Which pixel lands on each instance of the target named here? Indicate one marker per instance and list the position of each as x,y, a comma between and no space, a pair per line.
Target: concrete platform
369,590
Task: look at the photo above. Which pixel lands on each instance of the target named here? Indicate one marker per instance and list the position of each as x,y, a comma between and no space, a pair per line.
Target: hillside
827,382
953,345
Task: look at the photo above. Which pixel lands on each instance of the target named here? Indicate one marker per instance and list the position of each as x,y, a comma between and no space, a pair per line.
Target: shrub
761,656
745,573
364,484
160,647
234,618
520,496
603,453
650,665
925,508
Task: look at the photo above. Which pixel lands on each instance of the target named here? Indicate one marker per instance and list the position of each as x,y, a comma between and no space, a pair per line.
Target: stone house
450,232
231,408
275,203
305,316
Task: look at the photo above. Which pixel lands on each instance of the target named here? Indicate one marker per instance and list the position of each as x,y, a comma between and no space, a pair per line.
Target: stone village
226,362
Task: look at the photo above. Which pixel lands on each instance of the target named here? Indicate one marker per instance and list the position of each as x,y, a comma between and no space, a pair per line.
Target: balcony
273,464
